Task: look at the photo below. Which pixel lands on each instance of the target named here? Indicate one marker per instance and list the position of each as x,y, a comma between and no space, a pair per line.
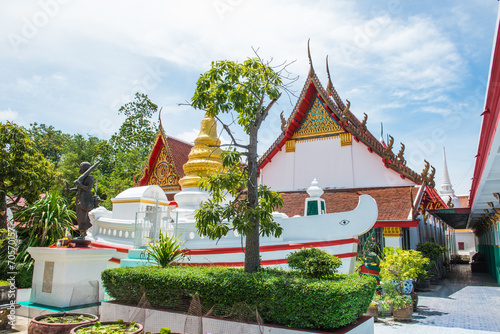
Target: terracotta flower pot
403,313
38,326
414,298
372,311
138,331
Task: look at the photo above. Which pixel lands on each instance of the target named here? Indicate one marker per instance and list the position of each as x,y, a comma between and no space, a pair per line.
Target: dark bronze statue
84,197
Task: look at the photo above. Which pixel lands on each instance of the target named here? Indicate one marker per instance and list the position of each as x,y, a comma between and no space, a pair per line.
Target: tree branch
228,130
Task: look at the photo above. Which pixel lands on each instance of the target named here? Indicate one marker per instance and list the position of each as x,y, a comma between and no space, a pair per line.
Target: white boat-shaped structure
336,233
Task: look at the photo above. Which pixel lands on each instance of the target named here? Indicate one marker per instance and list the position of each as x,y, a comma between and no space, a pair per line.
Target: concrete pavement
462,303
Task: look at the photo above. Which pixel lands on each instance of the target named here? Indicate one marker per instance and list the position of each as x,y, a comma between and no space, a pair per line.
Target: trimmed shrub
313,262
280,297
431,250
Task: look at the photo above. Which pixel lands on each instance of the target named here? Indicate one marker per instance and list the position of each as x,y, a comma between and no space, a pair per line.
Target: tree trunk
252,256
3,213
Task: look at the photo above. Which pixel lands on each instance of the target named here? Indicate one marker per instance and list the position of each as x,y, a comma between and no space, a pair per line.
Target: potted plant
432,251
423,282
109,327
383,299
372,310
403,266
59,323
402,307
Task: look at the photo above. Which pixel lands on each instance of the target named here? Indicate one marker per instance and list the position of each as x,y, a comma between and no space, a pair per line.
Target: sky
419,67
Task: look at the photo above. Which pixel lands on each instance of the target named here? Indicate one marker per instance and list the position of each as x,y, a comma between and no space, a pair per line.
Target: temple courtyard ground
462,303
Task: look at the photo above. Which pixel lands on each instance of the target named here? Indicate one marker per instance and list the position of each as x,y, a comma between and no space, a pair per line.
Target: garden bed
281,298
156,319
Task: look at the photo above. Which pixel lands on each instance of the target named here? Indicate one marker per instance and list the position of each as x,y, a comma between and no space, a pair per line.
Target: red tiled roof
464,201
180,151
394,203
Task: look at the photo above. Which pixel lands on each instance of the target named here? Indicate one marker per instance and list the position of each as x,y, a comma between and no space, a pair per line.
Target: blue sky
420,67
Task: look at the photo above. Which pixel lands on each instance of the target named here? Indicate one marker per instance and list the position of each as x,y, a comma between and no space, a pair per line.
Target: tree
135,137
137,131
25,173
49,141
247,91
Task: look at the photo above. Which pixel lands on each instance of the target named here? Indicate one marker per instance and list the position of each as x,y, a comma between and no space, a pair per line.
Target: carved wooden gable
319,123
164,173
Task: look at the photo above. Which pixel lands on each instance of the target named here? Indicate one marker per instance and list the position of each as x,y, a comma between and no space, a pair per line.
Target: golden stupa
205,156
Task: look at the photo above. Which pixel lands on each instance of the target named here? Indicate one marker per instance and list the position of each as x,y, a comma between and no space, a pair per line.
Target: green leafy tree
247,91
25,173
49,141
137,131
133,140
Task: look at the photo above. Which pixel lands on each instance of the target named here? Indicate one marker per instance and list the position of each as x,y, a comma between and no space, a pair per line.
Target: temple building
164,166
322,139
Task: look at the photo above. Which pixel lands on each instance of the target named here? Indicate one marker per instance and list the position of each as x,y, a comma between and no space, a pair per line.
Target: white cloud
8,115
188,136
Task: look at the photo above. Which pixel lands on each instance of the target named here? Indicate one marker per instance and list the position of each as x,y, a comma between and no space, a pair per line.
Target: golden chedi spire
205,156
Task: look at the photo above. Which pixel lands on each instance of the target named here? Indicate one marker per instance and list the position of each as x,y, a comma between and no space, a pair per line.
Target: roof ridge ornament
311,69
329,85
363,123
345,112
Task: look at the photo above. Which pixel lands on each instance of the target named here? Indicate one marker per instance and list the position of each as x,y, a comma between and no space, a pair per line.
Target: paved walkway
463,303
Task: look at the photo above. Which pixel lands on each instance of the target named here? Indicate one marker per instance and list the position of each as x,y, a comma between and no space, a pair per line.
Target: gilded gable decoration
164,173
290,146
317,122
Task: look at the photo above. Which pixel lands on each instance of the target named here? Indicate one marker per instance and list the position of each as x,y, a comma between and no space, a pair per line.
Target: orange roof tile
464,201
394,203
180,151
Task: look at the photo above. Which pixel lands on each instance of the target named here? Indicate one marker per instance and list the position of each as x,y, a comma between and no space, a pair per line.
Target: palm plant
41,224
45,221
165,250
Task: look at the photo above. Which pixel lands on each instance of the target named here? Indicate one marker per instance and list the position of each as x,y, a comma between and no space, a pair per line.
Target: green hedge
280,297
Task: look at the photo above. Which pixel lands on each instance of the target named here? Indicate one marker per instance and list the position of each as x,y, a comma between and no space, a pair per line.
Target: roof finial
159,117
329,86
311,69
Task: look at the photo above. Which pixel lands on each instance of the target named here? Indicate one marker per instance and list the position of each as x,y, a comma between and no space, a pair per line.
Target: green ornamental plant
165,250
403,265
400,301
43,223
430,250
314,262
120,327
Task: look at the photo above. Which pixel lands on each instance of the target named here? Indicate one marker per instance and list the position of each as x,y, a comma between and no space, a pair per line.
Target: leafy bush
403,265
280,297
431,249
313,262
165,250
42,223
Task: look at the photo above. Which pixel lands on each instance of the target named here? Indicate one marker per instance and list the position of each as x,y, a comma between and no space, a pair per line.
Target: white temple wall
333,165
469,242
369,170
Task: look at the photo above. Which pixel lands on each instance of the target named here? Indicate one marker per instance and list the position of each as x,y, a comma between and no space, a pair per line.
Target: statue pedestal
66,277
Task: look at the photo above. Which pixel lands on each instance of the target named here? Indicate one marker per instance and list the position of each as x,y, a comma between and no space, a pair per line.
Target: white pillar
65,277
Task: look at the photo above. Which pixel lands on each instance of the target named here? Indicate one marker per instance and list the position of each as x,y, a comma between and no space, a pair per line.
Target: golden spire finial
205,156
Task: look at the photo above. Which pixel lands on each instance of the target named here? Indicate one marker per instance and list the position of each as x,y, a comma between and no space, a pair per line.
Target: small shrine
164,166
